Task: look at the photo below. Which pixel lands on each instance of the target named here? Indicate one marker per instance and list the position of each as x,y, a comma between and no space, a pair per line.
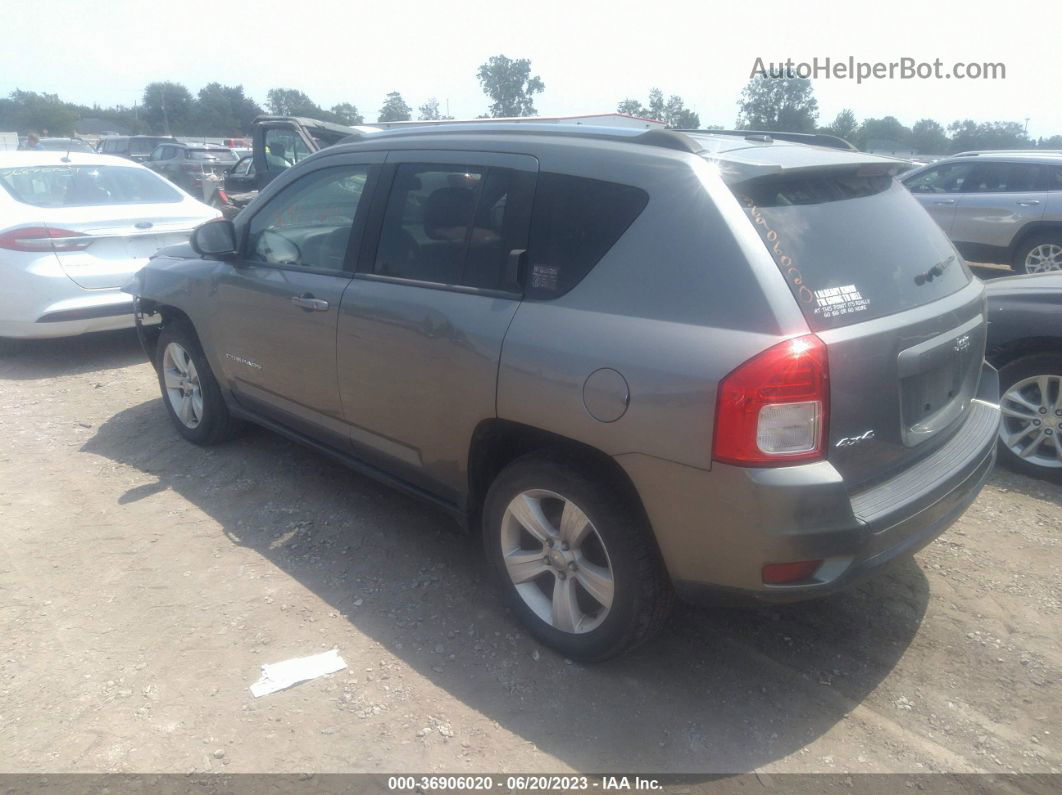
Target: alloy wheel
1032,420
557,561
1044,257
182,385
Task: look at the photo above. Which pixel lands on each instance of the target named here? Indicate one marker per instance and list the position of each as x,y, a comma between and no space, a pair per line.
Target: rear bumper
717,530
87,310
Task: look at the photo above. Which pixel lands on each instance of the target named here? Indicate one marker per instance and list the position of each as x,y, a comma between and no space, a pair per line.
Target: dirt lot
144,581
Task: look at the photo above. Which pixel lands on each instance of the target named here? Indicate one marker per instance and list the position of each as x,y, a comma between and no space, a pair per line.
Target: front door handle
309,303
944,201
1030,203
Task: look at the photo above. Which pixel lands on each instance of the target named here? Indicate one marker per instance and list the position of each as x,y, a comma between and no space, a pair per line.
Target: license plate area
938,378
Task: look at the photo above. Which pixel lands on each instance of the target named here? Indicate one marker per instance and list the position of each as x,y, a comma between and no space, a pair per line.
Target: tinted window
308,224
159,153
948,178
454,224
852,247
143,146
211,154
81,186
1003,178
1054,177
574,223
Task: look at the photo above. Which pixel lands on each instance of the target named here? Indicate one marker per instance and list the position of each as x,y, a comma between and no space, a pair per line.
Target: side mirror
215,238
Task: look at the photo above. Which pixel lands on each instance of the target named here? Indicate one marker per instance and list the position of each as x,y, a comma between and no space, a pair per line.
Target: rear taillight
41,238
772,410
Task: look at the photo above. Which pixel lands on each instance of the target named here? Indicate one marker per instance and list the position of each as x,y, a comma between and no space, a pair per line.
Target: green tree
28,111
346,113
509,85
844,125
395,109
429,111
224,110
673,112
292,102
968,134
1054,142
887,134
929,138
168,108
784,104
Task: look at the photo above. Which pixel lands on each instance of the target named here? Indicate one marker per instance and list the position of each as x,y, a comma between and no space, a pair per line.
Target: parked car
64,145
1025,343
134,147
197,168
73,230
638,362
1003,207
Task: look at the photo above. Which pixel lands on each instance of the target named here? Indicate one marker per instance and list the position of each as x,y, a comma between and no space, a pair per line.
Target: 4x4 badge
849,441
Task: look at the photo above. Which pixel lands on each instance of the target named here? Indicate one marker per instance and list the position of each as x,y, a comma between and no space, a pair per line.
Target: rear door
422,324
999,199
901,315
278,304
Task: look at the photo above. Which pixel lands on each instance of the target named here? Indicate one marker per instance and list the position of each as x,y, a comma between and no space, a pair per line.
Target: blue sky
590,54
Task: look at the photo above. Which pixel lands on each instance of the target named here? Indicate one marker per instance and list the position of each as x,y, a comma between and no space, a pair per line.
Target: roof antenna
66,158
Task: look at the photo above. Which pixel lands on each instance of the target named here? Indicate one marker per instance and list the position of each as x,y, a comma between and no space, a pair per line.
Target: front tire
190,392
1039,254
574,557
1030,434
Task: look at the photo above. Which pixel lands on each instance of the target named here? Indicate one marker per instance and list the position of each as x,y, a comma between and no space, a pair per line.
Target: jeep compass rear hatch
879,283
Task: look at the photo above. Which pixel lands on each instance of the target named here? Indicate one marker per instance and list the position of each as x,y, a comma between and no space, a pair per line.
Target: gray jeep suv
639,363
997,206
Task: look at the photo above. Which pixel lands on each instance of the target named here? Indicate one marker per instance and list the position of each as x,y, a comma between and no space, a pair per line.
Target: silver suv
997,206
638,363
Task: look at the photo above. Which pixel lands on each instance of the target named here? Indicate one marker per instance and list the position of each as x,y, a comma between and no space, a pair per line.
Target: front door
279,302
422,324
939,189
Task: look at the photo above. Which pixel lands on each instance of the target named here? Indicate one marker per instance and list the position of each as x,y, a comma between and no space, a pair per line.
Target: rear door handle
1030,203
309,303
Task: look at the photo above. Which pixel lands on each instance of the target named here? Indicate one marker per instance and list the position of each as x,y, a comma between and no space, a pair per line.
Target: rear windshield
212,154
852,247
83,186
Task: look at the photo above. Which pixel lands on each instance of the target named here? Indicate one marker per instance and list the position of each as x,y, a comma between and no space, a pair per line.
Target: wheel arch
1012,350
496,443
1032,229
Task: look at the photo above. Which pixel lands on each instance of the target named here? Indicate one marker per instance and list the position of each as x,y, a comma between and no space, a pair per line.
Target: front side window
83,186
455,225
1054,178
949,178
283,149
1003,178
308,224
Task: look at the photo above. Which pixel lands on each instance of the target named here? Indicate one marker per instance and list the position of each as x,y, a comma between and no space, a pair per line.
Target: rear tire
190,392
9,347
591,581
1039,254
1031,401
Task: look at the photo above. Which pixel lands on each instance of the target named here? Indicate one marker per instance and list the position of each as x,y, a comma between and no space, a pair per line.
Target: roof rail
766,136
667,139
977,152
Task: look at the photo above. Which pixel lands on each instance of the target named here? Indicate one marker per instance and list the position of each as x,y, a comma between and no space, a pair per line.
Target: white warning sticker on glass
836,301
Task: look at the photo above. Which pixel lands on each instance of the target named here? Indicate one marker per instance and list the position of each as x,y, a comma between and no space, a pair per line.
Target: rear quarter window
574,223
851,247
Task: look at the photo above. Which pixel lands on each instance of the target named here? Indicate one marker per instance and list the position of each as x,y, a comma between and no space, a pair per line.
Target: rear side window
1004,178
84,186
574,224
948,178
852,248
455,225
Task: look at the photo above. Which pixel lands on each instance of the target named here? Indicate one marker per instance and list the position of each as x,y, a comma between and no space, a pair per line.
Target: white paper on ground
277,676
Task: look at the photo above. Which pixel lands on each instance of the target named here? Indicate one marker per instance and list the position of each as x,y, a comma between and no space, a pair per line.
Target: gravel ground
145,580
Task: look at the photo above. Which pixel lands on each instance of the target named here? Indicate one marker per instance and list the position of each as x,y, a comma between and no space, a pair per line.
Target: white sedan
74,228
